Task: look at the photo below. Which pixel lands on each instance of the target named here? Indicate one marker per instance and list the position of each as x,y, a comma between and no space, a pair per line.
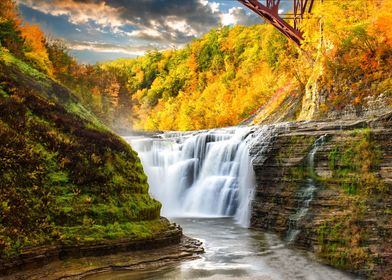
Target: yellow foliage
37,52
224,77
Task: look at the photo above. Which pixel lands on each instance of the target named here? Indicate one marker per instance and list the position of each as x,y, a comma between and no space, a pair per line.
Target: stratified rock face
337,203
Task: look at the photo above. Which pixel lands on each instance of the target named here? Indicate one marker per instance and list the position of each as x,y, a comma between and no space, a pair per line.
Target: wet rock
347,228
78,261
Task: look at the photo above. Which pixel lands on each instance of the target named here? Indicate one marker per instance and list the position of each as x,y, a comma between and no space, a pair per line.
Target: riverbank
77,262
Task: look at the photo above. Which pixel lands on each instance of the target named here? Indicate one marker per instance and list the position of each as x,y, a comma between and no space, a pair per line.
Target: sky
100,30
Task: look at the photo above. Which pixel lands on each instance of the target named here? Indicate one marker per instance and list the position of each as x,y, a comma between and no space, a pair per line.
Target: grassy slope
63,176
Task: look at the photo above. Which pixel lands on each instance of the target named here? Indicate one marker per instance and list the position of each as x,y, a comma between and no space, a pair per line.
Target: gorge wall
339,201
69,187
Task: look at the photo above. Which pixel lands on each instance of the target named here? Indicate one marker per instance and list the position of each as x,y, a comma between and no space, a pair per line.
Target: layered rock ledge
348,223
79,261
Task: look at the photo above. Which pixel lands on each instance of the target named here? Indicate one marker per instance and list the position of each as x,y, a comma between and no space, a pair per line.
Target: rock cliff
333,197
69,187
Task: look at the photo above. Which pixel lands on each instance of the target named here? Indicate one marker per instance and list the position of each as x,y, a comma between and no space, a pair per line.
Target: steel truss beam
270,12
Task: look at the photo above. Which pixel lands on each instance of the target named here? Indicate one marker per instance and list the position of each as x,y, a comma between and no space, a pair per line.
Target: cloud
78,12
214,6
110,26
146,34
133,50
172,21
238,15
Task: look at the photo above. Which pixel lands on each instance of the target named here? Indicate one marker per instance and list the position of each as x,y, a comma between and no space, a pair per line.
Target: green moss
58,178
26,69
64,177
341,244
332,158
354,164
297,146
14,72
298,173
3,93
90,232
78,109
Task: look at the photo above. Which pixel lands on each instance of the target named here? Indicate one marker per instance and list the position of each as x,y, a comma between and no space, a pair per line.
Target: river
235,252
205,182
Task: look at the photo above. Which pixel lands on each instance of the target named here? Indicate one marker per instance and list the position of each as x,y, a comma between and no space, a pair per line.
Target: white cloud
145,33
108,48
214,6
79,12
229,18
238,15
181,25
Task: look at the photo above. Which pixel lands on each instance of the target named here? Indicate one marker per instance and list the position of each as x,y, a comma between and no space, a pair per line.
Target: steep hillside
237,74
64,177
225,77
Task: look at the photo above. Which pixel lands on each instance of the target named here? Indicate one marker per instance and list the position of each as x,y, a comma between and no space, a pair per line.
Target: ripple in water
206,174
234,252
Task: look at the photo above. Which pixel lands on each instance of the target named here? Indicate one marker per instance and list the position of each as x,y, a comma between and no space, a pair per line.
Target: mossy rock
64,177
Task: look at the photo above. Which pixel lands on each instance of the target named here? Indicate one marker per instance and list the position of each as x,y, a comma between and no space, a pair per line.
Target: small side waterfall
201,173
305,194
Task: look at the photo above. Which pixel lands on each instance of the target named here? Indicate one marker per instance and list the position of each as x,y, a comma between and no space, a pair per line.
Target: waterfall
201,173
305,195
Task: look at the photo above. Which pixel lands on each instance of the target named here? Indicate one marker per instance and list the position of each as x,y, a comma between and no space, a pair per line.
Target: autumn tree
10,34
35,47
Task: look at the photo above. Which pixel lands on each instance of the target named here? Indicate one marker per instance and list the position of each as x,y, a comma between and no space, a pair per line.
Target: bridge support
270,12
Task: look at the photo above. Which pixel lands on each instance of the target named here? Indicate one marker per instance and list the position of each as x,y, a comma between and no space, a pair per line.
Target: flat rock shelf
79,261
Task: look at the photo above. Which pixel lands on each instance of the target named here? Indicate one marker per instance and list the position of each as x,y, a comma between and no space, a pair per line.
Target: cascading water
203,173
305,194
210,173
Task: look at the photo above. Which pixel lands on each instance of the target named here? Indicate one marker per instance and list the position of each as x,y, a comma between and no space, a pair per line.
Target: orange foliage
36,51
8,10
383,21
34,37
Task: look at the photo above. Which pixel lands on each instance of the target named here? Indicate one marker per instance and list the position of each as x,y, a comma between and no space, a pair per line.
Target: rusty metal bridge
287,24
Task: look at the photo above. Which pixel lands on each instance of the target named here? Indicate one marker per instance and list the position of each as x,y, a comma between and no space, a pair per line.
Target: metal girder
270,12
